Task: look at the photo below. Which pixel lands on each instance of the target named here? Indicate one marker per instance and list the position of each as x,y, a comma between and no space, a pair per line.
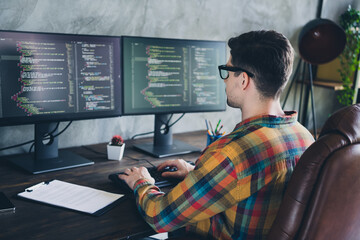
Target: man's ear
245,80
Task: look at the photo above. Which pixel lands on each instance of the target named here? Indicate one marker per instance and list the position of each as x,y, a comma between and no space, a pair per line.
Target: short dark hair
268,55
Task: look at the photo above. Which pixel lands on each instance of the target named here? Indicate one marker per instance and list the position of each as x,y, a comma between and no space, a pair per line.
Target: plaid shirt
237,185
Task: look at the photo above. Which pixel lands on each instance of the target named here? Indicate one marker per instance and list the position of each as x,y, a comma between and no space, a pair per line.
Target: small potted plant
115,148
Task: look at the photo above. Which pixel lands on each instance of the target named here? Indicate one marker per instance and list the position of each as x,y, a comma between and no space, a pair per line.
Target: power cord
140,159
49,135
17,145
94,151
132,158
33,141
166,128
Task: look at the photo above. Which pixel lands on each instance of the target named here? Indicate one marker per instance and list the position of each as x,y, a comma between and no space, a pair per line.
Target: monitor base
177,148
65,160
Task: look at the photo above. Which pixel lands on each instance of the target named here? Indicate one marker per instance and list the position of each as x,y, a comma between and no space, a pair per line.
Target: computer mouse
169,169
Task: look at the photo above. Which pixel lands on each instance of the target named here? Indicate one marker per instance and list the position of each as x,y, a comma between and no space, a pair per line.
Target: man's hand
132,175
183,168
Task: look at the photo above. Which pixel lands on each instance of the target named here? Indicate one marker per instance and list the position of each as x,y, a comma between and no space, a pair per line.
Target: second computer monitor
163,76
172,75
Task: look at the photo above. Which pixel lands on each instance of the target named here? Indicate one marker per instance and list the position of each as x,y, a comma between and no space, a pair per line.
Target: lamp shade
321,41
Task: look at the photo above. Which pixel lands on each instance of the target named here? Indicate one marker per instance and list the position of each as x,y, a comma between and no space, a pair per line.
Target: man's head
266,54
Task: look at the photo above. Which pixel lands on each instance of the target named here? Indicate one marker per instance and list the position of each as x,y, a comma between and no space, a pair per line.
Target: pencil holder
211,138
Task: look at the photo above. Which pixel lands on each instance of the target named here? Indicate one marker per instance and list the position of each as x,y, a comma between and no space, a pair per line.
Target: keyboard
159,180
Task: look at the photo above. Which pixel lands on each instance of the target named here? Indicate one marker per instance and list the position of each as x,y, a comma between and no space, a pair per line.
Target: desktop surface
38,221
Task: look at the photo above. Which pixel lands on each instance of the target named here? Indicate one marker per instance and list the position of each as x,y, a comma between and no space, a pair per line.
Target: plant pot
115,152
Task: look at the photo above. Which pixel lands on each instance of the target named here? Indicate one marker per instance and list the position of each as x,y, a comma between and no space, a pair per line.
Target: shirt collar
290,117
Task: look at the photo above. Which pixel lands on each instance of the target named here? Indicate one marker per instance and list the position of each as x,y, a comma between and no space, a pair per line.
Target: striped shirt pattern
237,185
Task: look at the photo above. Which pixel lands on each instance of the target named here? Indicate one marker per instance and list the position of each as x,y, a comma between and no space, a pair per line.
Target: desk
38,221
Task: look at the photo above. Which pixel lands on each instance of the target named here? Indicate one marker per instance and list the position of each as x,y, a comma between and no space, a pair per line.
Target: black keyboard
159,180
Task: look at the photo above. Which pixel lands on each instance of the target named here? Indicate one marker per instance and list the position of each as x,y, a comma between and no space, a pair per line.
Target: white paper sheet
72,196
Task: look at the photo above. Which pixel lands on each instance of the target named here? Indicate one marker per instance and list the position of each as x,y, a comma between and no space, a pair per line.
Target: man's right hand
183,168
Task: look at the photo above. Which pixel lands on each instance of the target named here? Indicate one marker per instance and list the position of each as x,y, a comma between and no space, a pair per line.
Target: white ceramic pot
115,152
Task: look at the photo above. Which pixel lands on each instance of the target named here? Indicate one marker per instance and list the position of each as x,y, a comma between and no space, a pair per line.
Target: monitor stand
47,157
163,144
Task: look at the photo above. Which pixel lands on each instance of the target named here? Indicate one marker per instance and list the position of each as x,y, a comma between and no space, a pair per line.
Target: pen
217,125
220,129
32,188
211,128
207,126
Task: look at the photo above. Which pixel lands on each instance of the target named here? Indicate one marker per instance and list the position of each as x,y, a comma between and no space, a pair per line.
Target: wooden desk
38,221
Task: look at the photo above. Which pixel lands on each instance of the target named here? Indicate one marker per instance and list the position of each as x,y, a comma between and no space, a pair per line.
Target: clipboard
72,196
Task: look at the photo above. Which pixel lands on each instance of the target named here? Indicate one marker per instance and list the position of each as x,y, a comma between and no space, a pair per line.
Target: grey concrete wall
189,19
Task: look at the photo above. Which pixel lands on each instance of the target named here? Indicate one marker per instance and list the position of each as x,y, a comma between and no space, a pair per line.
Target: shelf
334,85
327,84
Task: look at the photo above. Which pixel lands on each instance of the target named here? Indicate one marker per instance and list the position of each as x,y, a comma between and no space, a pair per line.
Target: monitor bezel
116,112
175,111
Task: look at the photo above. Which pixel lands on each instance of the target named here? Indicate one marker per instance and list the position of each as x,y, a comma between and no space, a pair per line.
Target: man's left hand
134,174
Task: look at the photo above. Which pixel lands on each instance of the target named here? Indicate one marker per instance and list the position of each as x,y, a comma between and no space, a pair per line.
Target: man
237,185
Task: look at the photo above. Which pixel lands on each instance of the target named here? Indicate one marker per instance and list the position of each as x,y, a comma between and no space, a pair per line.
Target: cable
177,120
167,122
25,143
167,126
132,158
141,134
67,126
92,150
17,145
56,128
49,135
140,159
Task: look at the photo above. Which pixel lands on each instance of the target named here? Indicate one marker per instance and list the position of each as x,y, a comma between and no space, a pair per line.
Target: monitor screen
58,77
164,76
172,75
46,78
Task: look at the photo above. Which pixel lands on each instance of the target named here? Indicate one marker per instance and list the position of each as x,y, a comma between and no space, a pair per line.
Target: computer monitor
165,76
46,78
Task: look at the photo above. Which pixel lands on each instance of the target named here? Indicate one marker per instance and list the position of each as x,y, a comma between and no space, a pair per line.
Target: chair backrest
322,200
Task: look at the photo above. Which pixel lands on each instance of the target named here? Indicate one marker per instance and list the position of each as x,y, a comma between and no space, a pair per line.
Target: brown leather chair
322,200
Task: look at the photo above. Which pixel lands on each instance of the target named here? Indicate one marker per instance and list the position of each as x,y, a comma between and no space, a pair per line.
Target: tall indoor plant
349,58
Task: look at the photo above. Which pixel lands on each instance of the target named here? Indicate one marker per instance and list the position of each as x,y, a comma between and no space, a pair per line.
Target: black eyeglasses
224,71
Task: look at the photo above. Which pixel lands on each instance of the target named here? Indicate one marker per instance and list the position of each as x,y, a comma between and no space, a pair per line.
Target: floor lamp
320,41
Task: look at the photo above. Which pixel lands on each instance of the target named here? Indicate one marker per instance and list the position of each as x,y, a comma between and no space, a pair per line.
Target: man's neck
266,107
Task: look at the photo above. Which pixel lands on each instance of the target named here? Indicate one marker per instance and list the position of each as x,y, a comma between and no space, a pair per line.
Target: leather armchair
322,200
